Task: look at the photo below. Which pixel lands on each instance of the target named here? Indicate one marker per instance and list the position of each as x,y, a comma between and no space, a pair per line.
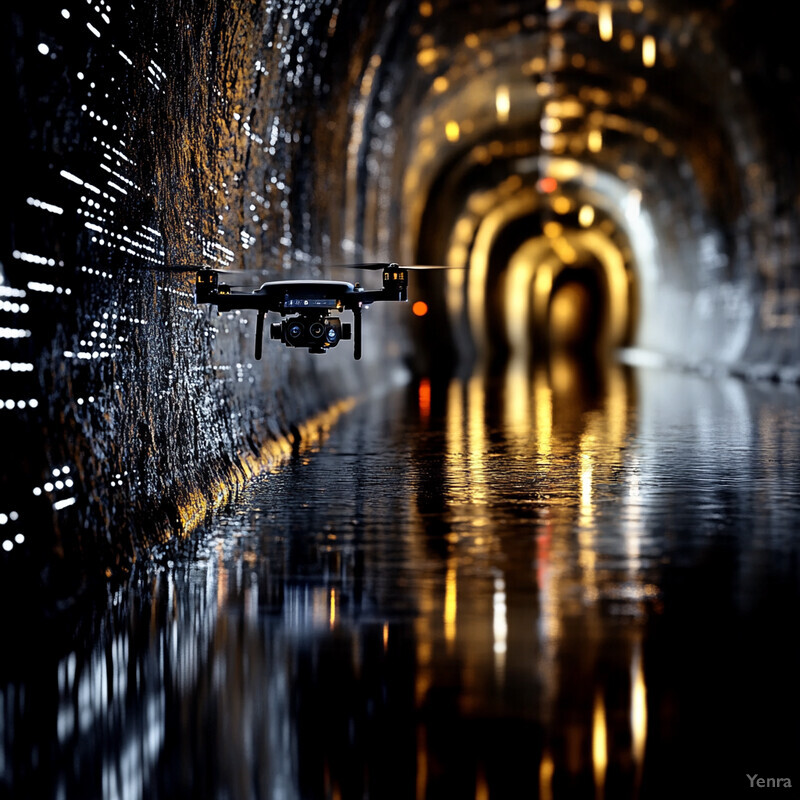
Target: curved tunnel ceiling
624,127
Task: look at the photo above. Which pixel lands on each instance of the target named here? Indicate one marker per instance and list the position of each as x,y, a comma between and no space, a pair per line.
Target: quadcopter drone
309,308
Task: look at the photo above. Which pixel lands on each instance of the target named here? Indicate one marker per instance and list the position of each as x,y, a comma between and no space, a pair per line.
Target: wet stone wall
144,134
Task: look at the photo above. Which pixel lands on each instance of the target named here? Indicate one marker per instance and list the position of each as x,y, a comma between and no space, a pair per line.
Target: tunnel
578,189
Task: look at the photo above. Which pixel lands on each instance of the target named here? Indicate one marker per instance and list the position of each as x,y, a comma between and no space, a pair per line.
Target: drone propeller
386,264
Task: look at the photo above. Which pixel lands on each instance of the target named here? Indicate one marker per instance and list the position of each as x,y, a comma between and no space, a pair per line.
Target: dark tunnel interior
609,183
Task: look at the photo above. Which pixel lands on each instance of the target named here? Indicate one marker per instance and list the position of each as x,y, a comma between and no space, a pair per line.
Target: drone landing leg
357,332
259,334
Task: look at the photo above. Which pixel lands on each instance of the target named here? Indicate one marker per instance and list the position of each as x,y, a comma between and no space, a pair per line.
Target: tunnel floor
541,584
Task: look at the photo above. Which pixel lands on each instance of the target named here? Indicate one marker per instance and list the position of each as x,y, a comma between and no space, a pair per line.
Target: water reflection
543,584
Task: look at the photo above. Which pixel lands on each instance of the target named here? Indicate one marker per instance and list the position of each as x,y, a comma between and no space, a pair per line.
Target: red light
425,398
547,185
420,308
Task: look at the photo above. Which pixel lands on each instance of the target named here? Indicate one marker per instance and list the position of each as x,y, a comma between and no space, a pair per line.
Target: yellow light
552,229
586,482
536,64
427,57
463,230
452,131
638,712
476,443
427,149
425,9
627,41
562,205
599,744
450,604
543,392
564,250
440,84
546,770
626,172
502,103
551,124
604,22
595,141
518,297
648,51
422,761
568,107
472,40
586,216
553,5
456,254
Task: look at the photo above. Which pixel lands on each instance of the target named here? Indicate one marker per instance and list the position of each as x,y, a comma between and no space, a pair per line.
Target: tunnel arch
489,96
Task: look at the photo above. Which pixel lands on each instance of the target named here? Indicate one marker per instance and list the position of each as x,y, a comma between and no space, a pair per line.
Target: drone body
313,305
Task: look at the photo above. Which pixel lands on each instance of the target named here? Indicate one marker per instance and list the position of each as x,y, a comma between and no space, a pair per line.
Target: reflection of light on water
543,422
424,398
599,744
502,103
617,405
549,622
476,434
638,711
516,400
454,293
333,608
542,288
499,626
587,555
546,769
424,639
605,22
450,603
632,525
422,762
586,485
455,433
481,785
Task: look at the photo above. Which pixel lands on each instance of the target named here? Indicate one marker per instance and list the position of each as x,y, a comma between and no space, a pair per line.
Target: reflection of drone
312,304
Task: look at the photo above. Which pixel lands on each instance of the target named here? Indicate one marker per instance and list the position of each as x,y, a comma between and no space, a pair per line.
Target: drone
310,308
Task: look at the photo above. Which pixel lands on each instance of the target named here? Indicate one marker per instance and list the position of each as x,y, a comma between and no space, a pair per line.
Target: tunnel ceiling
669,119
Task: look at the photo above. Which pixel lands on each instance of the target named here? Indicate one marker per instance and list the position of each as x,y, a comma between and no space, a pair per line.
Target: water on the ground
541,585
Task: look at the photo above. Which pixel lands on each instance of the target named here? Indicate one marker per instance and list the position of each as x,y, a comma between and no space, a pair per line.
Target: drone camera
316,333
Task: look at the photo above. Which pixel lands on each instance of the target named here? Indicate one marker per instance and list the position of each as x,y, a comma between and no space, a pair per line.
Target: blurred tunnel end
569,161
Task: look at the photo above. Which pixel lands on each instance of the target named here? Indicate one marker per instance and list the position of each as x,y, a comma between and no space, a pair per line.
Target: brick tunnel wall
142,134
